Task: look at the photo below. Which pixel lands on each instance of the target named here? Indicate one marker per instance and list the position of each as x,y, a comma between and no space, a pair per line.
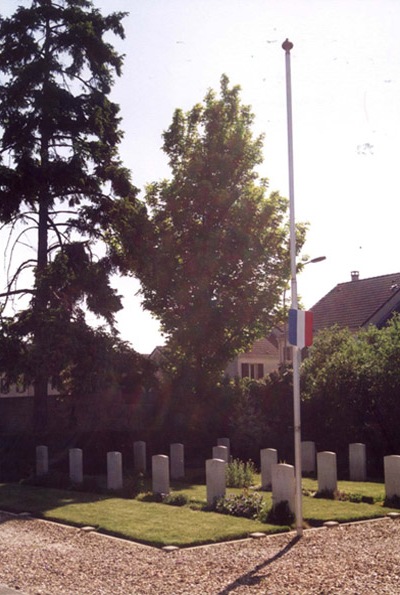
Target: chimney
355,275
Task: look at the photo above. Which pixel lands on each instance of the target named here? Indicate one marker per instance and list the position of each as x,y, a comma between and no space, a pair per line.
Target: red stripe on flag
308,335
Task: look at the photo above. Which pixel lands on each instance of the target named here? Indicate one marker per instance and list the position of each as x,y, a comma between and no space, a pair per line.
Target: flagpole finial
287,45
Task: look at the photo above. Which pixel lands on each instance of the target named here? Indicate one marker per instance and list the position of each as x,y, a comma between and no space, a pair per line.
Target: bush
240,474
176,499
171,499
353,497
246,505
133,485
326,494
151,497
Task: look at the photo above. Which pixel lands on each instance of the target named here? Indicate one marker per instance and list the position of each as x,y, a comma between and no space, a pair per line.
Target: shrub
240,474
176,499
171,499
151,497
133,485
327,494
246,505
353,497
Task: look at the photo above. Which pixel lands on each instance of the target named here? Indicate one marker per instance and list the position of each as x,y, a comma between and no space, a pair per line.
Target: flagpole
287,46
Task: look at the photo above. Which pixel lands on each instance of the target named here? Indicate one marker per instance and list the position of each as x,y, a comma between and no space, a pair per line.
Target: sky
345,77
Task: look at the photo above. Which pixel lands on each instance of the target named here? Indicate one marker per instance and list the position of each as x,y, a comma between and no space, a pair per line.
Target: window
288,354
254,371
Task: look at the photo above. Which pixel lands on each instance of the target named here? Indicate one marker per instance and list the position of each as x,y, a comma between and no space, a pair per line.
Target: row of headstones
357,460
278,477
163,467
160,466
311,461
281,476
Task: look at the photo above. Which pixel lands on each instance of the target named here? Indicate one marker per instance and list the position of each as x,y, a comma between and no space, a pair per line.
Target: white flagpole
287,46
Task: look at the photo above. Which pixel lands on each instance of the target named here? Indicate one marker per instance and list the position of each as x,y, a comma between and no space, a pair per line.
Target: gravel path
42,558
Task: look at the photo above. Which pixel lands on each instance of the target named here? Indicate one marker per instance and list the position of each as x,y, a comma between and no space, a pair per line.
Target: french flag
300,328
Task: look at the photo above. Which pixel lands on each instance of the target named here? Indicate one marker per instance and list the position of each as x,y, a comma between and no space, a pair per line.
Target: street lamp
316,259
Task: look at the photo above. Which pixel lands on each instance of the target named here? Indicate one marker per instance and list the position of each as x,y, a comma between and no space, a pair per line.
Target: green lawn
160,524
146,522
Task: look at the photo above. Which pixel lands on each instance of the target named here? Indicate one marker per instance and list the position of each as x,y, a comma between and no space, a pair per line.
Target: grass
145,522
158,524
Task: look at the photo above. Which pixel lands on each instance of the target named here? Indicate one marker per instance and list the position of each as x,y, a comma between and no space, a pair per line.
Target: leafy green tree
60,173
350,387
215,248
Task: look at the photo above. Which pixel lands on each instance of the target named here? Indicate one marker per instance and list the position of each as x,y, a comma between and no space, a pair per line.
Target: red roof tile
353,304
263,347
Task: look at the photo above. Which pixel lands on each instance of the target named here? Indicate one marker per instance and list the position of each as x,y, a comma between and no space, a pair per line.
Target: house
354,304
358,303
262,359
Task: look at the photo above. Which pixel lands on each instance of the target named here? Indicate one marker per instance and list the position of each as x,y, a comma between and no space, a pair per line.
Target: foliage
351,385
247,504
240,474
171,499
176,499
60,175
80,360
260,409
247,423
327,494
214,260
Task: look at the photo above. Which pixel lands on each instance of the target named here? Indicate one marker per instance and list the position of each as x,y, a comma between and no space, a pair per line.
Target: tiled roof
353,304
263,347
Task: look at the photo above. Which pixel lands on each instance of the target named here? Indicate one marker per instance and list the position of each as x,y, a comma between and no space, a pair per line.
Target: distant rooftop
262,347
359,302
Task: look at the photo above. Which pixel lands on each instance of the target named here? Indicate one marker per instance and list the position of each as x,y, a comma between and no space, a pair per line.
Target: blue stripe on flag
293,327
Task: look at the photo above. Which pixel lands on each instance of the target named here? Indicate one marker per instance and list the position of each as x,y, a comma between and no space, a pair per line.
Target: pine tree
59,166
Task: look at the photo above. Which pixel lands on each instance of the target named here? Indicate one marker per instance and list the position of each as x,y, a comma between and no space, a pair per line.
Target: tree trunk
40,385
40,416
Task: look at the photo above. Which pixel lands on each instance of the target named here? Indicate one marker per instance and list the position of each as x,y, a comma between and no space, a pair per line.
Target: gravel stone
43,558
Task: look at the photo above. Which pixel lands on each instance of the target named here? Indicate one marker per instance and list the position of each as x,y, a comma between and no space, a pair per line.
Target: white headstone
268,457
225,442
177,461
357,461
42,460
139,456
215,479
327,471
114,471
220,452
283,485
308,456
160,474
76,465
392,475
